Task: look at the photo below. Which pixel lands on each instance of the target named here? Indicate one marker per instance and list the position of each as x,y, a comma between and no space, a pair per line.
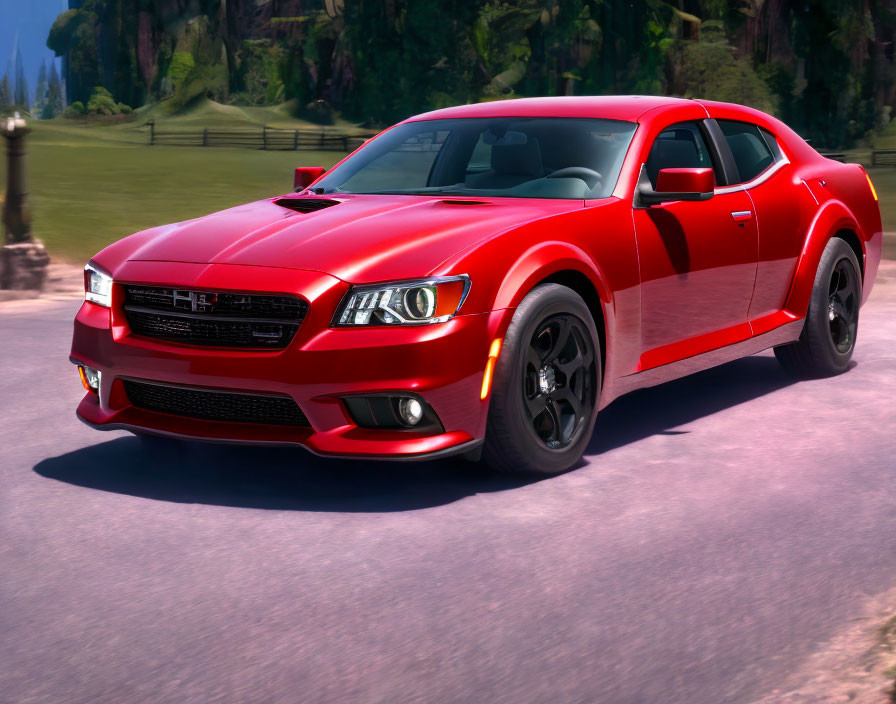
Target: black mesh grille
215,405
210,318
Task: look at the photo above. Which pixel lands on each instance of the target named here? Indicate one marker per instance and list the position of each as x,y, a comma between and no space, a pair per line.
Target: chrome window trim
761,178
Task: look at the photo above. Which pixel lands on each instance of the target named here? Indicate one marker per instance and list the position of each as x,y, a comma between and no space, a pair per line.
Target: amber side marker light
871,185
493,353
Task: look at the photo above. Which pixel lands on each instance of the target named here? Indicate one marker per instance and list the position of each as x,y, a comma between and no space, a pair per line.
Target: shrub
76,109
102,103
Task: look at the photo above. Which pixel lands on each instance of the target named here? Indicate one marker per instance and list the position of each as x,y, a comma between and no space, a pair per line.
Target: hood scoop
305,205
463,201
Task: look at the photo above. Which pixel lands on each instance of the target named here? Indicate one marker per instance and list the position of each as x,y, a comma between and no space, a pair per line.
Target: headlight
420,302
97,286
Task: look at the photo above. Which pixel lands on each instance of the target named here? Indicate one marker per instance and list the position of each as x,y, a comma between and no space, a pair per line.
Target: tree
54,104
21,90
5,95
40,92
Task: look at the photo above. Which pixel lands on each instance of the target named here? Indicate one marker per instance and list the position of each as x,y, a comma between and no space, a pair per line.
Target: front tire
546,385
828,338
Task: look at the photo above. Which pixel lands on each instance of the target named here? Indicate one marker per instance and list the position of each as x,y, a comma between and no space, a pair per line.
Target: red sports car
481,280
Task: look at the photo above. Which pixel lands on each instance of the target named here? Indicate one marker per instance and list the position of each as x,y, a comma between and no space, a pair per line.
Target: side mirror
676,184
306,175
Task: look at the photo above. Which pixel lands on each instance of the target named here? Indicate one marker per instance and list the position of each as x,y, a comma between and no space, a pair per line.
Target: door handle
741,216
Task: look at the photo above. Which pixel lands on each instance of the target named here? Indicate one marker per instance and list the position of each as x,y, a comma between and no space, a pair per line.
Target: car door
697,258
764,174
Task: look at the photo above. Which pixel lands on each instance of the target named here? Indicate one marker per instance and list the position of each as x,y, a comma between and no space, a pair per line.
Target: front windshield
539,157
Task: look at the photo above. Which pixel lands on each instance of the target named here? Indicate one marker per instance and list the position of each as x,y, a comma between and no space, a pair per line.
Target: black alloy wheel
558,380
843,306
828,338
546,385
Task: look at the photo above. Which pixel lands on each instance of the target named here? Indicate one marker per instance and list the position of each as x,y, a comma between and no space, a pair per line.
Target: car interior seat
511,165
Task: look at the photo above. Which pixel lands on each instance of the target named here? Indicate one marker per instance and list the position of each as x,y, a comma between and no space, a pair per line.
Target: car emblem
204,302
198,302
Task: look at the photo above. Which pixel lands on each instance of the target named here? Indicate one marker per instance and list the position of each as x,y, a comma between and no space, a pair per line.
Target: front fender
543,260
832,216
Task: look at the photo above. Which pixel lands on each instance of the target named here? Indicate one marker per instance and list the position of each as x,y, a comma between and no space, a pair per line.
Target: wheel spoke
571,366
535,405
532,358
554,413
559,340
568,395
843,280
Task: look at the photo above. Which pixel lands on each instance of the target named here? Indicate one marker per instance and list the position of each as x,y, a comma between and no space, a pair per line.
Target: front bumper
442,363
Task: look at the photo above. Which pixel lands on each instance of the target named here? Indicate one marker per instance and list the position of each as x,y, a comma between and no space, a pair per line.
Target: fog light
410,410
90,378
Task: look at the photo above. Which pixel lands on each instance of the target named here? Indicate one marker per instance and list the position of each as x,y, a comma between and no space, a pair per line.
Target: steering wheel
589,176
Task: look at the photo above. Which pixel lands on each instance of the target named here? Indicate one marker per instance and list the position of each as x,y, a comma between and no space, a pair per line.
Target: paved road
722,528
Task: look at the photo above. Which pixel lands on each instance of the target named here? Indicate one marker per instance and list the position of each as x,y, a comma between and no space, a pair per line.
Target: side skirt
789,332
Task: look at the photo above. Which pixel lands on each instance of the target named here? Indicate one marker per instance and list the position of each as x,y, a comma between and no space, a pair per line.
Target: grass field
92,185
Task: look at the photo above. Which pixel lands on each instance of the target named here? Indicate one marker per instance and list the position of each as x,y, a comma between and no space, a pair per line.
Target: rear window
748,147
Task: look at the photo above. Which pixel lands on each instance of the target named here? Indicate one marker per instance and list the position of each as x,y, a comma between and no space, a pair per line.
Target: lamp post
24,261
16,215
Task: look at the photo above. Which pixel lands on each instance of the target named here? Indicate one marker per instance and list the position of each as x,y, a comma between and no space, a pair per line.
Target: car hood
355,238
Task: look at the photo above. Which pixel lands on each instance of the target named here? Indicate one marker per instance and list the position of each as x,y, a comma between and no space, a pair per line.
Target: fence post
873,158
295,141
205,136
264,137
152,132
321,138
344,143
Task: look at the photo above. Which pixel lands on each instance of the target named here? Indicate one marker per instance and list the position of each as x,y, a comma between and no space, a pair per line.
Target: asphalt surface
722,528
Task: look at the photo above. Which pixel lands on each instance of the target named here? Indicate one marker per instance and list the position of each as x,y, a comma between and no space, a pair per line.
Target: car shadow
293,479
275,478
659,409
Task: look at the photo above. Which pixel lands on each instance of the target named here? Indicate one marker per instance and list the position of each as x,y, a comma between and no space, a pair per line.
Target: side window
748,147
772,144
679,146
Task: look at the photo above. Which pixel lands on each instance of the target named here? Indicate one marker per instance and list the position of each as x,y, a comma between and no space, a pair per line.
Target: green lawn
93,185
884,179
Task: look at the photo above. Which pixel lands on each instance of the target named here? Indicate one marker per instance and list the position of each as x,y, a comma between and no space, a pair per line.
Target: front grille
215,405
212,318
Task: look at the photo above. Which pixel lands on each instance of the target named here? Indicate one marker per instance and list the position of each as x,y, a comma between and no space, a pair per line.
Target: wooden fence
333,140
883,157
264,138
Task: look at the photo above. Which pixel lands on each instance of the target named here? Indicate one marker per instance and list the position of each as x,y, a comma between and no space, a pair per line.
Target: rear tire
546,385
829,335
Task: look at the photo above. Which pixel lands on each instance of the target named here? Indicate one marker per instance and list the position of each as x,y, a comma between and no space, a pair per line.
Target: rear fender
832,216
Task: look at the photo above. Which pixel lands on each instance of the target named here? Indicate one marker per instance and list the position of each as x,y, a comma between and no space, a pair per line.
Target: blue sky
30,21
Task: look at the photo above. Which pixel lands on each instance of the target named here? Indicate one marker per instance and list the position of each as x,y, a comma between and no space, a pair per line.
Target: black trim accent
209,317
719,150
224,405
646,196
379,411
462,449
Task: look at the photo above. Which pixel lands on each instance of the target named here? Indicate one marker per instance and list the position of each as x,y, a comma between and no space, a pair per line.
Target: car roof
609,107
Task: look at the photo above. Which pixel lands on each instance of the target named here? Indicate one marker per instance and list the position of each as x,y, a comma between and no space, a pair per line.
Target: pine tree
54,105
5,94
21,94
40,92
